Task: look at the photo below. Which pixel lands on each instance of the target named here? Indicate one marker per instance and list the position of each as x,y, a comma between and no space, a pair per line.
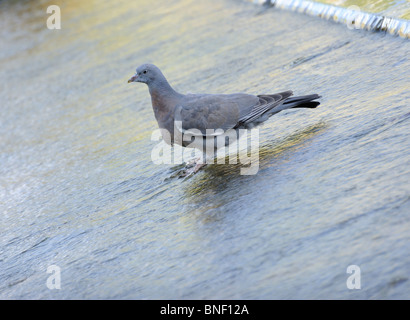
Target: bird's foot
191,163
192,167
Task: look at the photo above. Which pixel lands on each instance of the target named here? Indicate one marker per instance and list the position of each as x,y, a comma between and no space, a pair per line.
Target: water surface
78,188
391,8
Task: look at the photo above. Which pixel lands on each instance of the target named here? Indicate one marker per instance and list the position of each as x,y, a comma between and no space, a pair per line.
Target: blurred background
390,8
78,188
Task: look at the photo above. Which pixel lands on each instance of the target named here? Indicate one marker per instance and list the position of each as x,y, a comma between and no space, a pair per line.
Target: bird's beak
133,78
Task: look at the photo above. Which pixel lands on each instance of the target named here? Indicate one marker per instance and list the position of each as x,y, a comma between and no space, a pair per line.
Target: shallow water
391,8
78,188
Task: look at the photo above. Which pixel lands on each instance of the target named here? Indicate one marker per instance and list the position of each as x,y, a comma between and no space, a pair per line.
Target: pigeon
207,115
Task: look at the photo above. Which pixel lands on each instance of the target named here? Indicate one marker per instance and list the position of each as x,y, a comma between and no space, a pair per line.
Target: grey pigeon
211,111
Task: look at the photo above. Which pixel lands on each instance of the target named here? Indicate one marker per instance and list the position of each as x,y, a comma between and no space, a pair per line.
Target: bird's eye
144,72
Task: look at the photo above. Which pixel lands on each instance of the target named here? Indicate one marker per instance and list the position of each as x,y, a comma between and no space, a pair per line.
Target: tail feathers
300,98
311,104
285,102
302,101
297,102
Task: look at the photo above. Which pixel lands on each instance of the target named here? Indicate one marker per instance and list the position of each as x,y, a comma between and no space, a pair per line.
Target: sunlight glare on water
391,8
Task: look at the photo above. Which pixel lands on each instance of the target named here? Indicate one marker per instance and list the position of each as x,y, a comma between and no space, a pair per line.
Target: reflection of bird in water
218,178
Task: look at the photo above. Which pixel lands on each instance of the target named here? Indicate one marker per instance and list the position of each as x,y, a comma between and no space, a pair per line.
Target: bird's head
146,73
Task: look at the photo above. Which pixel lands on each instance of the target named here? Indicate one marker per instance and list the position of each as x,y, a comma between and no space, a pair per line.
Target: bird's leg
192,162
198,166
194,165
194,169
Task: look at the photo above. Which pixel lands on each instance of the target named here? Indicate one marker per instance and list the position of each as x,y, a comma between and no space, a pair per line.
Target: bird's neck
164,99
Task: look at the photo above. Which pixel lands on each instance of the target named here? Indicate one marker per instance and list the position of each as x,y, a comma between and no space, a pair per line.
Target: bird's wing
197,113
205,114
266,103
